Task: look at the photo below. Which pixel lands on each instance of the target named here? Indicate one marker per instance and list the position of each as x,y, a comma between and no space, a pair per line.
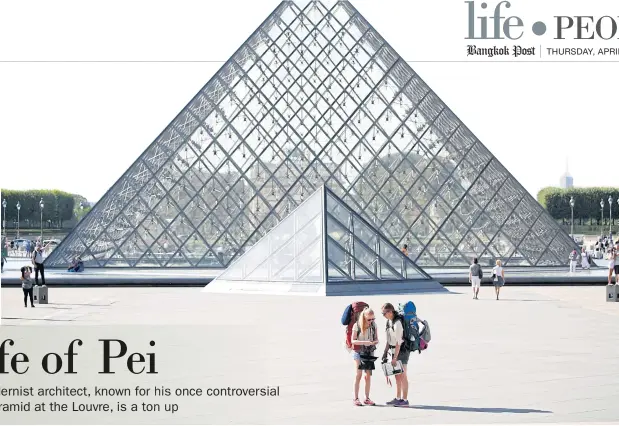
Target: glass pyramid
314,96
322,242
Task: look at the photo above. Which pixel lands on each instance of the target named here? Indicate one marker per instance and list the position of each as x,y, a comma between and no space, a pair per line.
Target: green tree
586,203
58,206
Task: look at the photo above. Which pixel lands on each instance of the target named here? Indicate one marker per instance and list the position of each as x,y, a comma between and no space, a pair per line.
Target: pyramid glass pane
357,251
291,252
314,96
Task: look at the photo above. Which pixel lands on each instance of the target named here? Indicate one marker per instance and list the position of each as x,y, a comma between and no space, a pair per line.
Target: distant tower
567,181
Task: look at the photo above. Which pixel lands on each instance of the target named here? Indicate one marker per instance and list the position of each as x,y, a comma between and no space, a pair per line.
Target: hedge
58,206
586,203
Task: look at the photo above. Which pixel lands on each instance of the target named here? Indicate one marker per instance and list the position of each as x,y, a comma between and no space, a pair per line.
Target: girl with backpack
364,341
395,346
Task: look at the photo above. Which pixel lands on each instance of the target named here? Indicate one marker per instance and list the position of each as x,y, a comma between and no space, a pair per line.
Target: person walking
617,262
395,347
5,253
612,265
37,261
475,275
498,276
26,285
364,341
573,260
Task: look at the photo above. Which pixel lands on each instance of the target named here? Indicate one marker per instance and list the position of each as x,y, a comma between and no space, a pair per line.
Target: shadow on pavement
480,410
38,319
103,305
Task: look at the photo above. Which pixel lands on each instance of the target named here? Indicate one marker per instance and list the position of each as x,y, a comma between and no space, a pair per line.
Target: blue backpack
407,312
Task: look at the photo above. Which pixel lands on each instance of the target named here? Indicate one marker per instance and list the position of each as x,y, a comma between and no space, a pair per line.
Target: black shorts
617,269
403,356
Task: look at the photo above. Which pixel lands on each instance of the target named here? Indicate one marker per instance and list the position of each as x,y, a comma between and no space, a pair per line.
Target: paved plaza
201,277
538,355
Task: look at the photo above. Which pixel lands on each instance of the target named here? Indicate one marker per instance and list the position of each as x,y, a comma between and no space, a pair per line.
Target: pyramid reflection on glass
323,248
315,96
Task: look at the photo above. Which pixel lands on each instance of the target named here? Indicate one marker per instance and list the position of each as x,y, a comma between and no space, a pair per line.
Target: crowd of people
610,252
22,248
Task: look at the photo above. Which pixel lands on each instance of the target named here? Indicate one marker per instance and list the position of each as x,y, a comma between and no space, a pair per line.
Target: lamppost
572,206
81,214
4,216
610,216
41,204
18,209
602,208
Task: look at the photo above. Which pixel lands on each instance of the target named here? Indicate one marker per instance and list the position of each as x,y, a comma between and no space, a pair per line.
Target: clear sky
78,125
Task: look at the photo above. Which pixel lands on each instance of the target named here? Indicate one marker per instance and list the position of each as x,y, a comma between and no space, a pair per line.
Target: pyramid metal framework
315,96
323,247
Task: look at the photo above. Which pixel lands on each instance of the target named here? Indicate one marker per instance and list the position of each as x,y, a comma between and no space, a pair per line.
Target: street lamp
41,204
602,208
18,209
572,206
610,216
4,216
81,216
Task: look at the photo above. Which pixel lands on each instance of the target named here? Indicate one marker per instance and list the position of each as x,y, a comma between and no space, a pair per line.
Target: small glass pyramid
320,243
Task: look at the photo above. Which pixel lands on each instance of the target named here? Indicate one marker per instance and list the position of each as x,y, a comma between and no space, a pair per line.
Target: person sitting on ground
73,265
80,265
77,265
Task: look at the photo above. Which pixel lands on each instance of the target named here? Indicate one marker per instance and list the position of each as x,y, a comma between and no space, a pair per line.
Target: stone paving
539,355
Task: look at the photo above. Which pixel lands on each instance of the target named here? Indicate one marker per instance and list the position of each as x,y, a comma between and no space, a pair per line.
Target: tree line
58,206
586,203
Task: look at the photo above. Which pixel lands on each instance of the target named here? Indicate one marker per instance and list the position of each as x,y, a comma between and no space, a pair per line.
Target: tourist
37,261
475,275
573,260
28,245
4,253
405,250
77,265
364,341
26,285
617,262
585,259
612,265
498,276
395,339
